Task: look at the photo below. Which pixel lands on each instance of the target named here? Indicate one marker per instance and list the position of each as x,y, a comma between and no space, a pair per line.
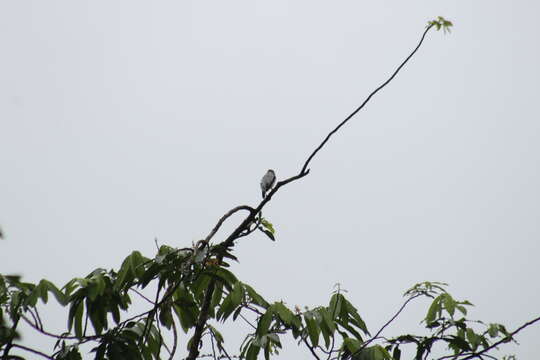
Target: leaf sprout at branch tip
441,23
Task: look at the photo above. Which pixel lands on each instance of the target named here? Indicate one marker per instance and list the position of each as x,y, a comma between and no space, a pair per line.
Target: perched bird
268,181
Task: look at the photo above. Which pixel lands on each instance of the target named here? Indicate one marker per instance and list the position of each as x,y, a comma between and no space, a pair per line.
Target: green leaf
351,330
312,329
328,320
165,316
334,308
255,297
237,295
217,295
186,315
286,315
78,319
357,320
434,309
268,226
458,344
264,322
472,338
217,334
31,300
252,352
50,287
462,309
226,277
449,304
351,345
493,330
231,301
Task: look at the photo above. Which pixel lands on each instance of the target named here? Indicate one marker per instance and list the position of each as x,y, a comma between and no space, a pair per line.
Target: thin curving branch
175,340
311,349
376,336
32,351
224,217
503,340
304,168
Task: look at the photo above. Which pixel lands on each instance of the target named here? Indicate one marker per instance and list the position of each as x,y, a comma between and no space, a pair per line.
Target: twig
142,295
494,345
32,351
45,332
311,349
212,342
376,336
9,343
175,339
365,101
247,321
224,217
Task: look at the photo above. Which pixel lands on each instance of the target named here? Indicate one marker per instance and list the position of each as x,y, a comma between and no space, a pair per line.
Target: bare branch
224,217
376,336
32,351
175,339
142,295
304,168
42,331
494,345
311,349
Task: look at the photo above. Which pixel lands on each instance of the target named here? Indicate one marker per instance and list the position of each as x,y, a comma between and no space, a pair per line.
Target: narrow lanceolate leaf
357,320
312,329
50,287
434,309
255,297
252,352
268,225
237,295
334,308
231,301
449,304
286,315
78,319
264,322
226,277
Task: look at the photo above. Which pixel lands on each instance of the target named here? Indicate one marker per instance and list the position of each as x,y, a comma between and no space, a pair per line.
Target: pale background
122,121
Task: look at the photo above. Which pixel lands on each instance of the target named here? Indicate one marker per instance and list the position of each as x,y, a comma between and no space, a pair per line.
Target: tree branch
505,339
304,168
224,217
229,241
376,336
311,349
32,351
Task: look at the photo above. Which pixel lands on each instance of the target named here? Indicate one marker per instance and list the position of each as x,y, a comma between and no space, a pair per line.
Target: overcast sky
123,121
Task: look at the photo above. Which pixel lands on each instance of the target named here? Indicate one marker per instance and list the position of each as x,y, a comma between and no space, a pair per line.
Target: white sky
121,121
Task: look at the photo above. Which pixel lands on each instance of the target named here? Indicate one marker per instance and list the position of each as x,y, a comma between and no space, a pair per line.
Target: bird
267,181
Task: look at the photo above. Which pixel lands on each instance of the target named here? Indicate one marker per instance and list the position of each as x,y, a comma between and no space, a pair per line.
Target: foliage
336,329
192,290
441,23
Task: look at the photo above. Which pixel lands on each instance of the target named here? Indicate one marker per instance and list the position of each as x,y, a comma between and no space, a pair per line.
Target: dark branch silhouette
365,101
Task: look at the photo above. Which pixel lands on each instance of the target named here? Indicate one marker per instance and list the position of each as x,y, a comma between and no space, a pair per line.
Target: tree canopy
191,290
